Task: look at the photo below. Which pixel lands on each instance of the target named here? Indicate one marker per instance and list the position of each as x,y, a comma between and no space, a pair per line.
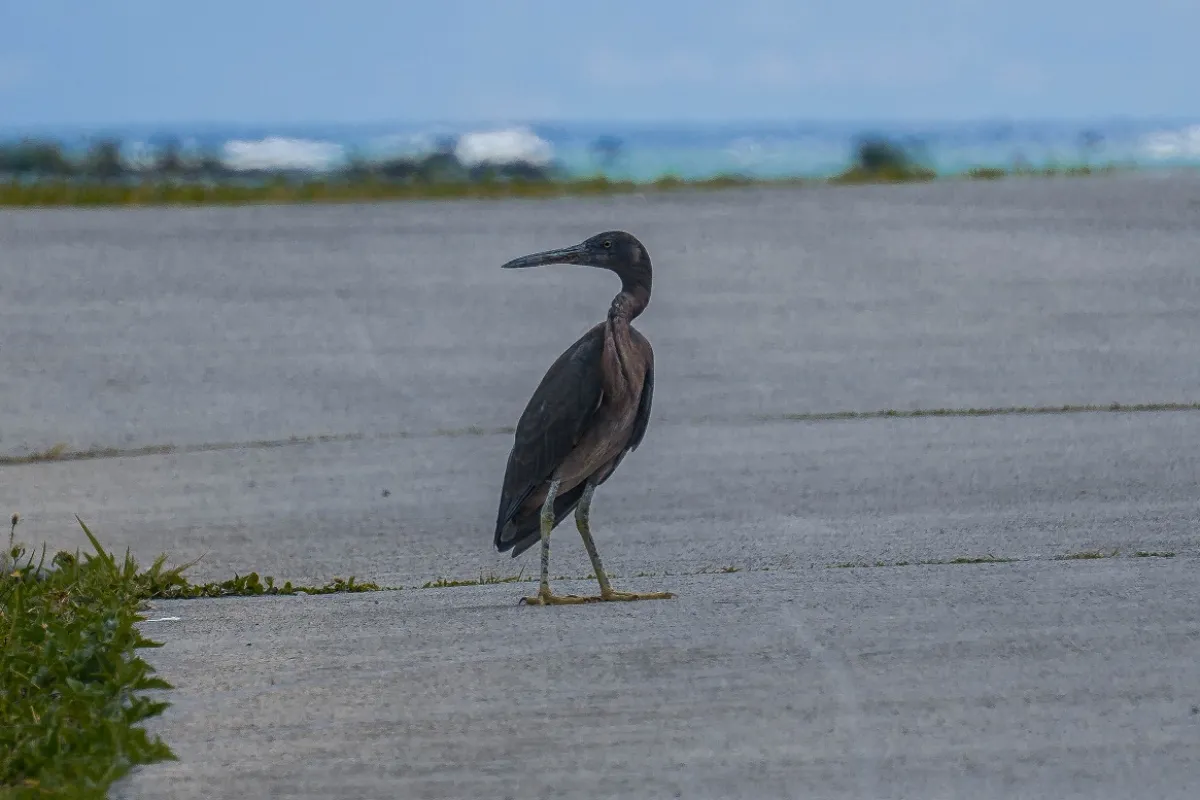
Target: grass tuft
933,562
1001,411
1153,554
726,570
988,559
483,580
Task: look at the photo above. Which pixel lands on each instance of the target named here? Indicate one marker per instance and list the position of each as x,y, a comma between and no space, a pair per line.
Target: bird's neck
620,380
629,303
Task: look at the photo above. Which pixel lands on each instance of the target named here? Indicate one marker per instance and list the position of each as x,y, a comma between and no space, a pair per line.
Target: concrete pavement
1051,679
392,329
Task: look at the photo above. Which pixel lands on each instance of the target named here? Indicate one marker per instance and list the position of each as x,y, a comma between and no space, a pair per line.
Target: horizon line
495,123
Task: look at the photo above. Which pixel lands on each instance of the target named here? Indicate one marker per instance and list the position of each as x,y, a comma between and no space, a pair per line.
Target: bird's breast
622,363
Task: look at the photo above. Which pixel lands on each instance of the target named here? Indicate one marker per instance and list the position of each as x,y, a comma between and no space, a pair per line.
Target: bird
590,410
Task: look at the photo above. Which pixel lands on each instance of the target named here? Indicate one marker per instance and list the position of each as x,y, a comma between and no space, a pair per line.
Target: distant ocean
649,151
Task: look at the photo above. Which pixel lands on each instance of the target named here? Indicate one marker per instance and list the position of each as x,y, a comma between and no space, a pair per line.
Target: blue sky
111,62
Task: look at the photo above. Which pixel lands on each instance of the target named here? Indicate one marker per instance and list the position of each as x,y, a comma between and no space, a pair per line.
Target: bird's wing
553,421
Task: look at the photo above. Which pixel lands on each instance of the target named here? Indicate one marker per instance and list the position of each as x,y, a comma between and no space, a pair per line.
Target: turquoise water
649,151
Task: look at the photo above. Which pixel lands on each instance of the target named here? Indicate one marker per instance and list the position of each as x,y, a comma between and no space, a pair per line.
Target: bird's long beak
565,255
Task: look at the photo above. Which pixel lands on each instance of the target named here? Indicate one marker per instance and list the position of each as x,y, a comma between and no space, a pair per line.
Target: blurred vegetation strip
39,174
73,692
880,160
50,193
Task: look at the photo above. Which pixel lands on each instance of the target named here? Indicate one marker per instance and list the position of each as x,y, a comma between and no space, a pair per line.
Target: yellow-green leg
544,596
583,522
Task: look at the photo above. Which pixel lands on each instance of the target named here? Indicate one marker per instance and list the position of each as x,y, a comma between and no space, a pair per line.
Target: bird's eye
607,243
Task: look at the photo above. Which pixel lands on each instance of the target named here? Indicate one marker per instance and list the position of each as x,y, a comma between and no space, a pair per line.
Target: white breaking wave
1173,144
276,152
503,147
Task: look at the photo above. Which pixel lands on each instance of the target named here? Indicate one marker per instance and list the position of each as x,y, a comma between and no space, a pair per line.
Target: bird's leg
544,597
583,513
582,521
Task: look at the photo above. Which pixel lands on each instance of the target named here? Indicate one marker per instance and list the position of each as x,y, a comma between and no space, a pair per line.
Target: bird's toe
556,600
628,596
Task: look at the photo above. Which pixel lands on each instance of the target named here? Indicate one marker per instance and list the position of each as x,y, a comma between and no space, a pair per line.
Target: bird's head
618,251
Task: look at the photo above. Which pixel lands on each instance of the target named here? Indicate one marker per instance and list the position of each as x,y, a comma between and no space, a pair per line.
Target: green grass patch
1153,554
161,583
1087,555
932,562
73,685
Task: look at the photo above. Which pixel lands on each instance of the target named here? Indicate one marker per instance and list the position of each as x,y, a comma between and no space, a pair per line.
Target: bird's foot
548,599
612,595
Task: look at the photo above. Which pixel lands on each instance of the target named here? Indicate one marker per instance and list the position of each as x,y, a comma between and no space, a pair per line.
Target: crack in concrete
60,453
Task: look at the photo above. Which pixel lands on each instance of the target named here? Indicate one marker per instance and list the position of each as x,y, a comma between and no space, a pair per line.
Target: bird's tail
524,530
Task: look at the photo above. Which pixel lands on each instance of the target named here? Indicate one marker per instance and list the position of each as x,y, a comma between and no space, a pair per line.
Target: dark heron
589,411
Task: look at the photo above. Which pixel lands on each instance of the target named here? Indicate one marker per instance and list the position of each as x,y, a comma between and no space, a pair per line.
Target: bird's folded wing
554,420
